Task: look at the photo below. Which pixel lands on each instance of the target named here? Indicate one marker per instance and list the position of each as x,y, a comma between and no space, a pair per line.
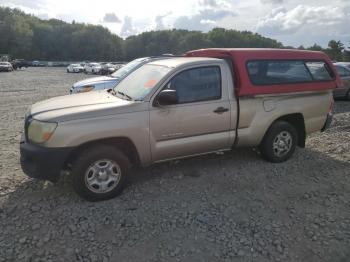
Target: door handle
220,110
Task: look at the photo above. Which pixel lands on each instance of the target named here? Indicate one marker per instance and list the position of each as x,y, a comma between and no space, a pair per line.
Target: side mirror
166,97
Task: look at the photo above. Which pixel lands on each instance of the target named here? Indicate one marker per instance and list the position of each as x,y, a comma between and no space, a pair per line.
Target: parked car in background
37,63
20,63
118,65
75,68
107,82
108,68
6,67
344,73
92,68
211,101
345,64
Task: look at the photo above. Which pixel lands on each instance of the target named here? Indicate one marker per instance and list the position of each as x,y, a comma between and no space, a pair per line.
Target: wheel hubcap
282,143
102,176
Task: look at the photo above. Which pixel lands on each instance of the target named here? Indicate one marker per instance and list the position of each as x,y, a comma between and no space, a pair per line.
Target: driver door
199,122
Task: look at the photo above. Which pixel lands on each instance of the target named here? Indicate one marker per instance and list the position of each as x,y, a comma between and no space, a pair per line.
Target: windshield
140,82
129,67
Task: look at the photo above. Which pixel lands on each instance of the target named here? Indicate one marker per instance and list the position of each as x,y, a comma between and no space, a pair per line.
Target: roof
262,53
178,61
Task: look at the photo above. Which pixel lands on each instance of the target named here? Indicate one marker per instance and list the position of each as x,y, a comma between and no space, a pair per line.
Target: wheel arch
296,120
122,143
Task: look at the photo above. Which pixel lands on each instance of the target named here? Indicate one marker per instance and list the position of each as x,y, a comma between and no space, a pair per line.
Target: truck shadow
311,184
241,163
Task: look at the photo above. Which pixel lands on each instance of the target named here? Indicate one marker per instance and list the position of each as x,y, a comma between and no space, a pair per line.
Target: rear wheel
100,173
279,142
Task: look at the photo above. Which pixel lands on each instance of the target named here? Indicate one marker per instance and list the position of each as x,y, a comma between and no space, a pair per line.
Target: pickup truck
207,101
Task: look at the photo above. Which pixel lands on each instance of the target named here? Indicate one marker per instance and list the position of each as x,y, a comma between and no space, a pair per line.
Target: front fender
134,126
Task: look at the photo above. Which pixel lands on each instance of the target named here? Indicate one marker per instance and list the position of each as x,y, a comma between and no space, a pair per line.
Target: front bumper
43,162
328,122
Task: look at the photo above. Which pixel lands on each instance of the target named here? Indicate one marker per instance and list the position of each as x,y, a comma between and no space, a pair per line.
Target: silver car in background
344,73
110,81
6,67
345,64
92,68
75,68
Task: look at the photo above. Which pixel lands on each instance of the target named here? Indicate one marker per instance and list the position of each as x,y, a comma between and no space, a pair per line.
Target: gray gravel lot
231,207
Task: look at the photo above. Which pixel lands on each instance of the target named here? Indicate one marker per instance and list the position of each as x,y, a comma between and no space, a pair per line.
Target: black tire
283,129
90,156
67,71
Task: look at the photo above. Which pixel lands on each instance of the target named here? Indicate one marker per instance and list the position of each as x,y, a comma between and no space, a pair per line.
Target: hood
85,105
94,80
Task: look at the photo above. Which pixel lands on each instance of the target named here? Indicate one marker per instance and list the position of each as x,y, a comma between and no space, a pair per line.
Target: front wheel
279,142
100,173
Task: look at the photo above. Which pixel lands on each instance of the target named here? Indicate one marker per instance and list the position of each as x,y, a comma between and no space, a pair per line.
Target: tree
335,50
26,36
315,47
346,54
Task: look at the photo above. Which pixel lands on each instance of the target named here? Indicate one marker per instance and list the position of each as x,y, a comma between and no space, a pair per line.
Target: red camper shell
312,71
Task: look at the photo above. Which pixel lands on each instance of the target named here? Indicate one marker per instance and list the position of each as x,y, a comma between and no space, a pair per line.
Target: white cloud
271,1
281,21
32,4
159,21
111,18
127,27
209,13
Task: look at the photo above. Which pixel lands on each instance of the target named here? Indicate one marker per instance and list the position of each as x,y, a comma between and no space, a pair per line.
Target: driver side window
198,84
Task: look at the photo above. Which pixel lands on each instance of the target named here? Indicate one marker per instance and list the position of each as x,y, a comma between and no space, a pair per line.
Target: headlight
39,132
85,89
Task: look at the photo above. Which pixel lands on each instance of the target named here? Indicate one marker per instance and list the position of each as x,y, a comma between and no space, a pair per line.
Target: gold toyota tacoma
206,101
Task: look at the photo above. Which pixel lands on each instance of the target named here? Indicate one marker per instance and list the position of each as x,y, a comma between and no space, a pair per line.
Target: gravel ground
231,207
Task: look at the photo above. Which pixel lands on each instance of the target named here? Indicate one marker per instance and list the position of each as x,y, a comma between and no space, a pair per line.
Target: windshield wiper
125,95
111,91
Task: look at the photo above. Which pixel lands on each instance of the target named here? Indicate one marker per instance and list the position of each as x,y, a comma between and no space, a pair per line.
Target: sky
292,22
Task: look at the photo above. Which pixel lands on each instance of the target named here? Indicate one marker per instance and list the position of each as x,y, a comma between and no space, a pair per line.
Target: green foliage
180,41
315,47
26,36
335,50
